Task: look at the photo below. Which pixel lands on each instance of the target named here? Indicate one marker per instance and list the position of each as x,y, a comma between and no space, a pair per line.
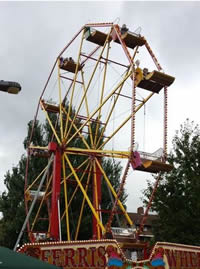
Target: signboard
172,256
78,254
107,253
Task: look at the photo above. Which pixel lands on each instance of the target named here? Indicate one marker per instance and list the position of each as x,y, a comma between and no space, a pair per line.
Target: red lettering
56,257
93,257
186,260
170,257
193,259
93,250
69,257
45,255
82,257
135,264
198,259
183,261
101,254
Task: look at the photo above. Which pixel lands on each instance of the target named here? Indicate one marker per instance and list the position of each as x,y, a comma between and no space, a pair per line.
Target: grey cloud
33,34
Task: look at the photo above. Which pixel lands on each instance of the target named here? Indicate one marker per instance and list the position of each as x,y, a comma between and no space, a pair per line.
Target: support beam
54,218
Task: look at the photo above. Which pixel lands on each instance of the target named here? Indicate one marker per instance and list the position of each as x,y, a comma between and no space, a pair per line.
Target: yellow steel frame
100,106
102,94
84,193
83,203
62,181
90,80
87,109
76,189
96,196
73,87
35,180
126,120
95,148
60,101
41,203
66,199
114,193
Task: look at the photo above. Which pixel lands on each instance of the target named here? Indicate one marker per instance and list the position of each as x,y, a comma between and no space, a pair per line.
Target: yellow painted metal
83,203
60,100
84,193
76,189
82,176
146,164
102,94
50,123
74,125
66,198
88,85
110,113
138,76
87,109
38,147
97,154
94,148
135,53
122,154
125,121
96,110
96,195
33,183
83,163
114,133
115,101
70,174
41,203
114,193
73,87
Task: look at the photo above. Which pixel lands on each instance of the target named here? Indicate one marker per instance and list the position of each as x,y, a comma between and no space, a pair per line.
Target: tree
177,199
12,200
12,204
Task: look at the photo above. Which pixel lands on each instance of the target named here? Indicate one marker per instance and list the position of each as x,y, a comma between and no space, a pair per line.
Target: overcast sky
33,33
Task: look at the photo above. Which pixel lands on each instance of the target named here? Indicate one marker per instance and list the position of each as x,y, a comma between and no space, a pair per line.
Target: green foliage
12,200
12,205
177,200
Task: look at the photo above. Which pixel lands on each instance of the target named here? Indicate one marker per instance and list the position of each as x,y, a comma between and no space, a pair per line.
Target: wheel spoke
84,193
96,110
88,85
83,202
96,101
76,189
114,193
41,203
66,198
51,124
73,89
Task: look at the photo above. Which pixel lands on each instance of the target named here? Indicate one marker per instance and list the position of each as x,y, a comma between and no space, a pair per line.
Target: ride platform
30,195
153,166
69,65
131,40
155,81
96,36
125,237
150,162
50,107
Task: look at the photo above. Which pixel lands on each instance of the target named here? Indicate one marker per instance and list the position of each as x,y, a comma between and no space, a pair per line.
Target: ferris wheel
90,102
